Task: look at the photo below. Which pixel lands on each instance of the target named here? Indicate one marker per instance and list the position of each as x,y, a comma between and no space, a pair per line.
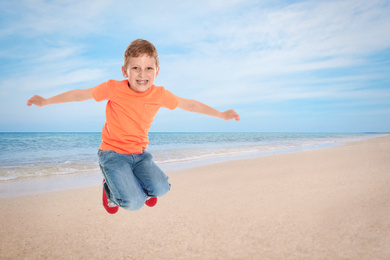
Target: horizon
205,132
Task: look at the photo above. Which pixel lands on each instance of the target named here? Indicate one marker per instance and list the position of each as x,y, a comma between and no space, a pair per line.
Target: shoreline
330,203
51,183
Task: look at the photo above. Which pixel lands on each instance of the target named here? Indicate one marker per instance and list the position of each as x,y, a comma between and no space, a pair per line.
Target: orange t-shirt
129,114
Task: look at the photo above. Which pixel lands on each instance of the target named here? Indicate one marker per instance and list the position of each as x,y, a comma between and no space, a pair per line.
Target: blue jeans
132,177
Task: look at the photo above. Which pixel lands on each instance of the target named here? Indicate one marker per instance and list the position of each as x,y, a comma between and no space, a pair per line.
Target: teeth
142,81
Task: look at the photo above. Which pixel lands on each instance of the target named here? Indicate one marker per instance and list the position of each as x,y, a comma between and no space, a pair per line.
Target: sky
284,66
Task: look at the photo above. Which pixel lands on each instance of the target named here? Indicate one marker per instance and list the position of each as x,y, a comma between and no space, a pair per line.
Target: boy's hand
36,100
230,114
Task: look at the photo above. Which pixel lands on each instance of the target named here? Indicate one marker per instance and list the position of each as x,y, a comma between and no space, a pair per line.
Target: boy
131,178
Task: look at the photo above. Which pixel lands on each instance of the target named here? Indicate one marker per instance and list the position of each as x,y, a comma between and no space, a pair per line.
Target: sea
44,161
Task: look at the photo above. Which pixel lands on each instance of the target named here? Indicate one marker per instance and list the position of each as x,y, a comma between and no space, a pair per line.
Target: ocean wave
45,169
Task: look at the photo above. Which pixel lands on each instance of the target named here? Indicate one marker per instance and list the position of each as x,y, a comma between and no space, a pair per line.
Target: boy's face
141,72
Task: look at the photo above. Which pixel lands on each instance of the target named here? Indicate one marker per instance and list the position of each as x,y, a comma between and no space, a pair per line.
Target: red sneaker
108,204
151,201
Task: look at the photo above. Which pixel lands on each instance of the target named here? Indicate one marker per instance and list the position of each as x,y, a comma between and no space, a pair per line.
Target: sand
332,203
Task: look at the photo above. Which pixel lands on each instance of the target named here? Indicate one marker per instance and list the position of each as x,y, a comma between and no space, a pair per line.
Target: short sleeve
170,100
101,92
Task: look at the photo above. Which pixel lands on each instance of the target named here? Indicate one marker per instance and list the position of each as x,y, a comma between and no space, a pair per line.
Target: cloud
34,18
265,45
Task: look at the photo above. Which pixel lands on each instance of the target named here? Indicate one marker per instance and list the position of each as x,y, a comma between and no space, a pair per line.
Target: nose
141,73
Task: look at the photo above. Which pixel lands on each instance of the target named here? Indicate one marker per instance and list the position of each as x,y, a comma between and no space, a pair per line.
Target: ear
157,71
124,72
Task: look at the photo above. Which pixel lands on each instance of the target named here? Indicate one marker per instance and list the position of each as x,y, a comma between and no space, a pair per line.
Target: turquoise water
32,155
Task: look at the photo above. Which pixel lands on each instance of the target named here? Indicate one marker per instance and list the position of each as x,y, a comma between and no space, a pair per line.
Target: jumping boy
131,178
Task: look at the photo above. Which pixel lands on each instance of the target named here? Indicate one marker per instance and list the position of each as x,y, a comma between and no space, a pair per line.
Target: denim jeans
132,177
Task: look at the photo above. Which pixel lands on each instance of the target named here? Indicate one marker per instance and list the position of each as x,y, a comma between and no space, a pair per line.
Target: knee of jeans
133,204
161,189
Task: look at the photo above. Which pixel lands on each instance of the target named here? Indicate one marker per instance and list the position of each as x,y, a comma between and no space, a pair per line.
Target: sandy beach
332,203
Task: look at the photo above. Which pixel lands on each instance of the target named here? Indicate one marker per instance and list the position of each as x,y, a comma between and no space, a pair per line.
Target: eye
150,68
134,68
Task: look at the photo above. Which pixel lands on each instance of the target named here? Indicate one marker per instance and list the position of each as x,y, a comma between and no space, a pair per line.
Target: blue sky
284,66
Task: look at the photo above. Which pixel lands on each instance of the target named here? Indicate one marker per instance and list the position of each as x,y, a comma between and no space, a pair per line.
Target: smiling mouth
142,82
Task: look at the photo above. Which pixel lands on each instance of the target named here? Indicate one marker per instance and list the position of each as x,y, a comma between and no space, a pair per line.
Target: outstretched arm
198,107
69,96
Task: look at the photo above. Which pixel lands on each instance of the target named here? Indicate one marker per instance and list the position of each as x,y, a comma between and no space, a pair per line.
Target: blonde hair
141,47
